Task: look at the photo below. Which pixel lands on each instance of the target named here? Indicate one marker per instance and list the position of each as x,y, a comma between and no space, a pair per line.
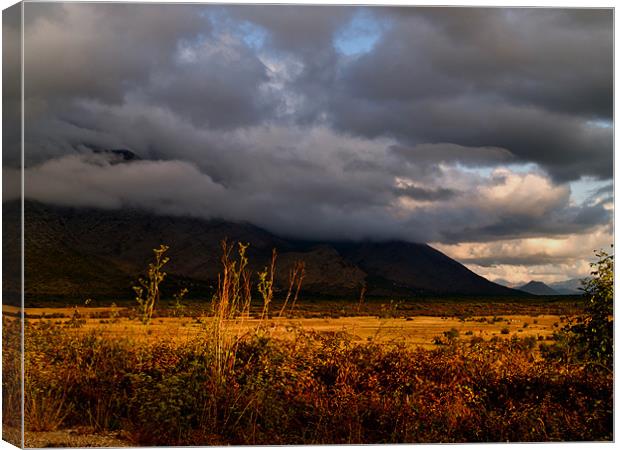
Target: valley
413,331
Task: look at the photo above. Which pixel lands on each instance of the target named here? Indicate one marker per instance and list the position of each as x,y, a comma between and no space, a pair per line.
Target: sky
485,132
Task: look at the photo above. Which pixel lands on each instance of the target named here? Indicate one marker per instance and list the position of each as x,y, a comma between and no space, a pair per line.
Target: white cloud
543,259
530,194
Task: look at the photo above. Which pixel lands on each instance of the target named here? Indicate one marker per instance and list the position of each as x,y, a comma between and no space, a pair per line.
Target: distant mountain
537,288
82,253
568,287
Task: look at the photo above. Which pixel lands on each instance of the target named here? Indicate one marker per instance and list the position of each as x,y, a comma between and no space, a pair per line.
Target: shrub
588,338
76,321
593,332
231,300
314,389
452,334
147,292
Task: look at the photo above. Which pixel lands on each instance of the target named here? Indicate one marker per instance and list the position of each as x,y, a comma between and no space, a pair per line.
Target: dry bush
148,291
265,284
296,278
231,301
11,378
318,389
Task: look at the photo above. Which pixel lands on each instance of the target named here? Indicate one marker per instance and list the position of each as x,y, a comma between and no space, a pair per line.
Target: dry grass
312,388
411,331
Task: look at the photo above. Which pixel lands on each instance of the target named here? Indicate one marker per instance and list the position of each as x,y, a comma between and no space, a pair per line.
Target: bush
313,389
588,338
593,332
148,292
451,334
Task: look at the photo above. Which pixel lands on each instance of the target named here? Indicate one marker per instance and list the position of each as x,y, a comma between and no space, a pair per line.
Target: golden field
411,330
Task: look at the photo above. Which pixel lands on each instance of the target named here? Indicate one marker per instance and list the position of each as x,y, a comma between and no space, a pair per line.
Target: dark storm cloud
423,194
431,154
253,113
476,227
213,85
305,34
532,259
11,95
296,28
309,199
535,82
563,221
526,56
165,56
99,51
567,147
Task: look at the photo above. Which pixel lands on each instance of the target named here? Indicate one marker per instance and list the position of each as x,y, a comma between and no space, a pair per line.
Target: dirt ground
80,437
74,438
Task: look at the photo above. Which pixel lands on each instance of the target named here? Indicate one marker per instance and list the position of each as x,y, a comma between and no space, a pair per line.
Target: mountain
81,253
537,288
567,287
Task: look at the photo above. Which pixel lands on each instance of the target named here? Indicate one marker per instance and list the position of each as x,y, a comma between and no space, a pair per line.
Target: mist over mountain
86,252
568,287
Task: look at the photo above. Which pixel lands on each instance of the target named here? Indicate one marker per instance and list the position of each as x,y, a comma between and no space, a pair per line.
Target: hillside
537,288
82,253
568,287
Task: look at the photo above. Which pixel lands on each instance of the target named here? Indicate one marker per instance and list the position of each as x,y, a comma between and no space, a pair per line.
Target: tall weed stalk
231,303
296,278
148,292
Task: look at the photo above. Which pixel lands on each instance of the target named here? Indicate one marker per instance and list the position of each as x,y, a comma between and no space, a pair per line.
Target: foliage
296,278
594,331
148,291
265,284
77,321
178,297
588,338
232,300
315,389
11,378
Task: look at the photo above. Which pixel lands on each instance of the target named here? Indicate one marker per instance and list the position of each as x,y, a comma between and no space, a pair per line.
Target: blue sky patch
360,35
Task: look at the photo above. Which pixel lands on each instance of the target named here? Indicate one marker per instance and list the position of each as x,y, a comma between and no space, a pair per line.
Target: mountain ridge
88,252
571,286
537,288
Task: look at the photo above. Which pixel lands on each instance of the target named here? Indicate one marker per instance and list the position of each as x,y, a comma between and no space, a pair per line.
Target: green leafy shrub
588,338
593,332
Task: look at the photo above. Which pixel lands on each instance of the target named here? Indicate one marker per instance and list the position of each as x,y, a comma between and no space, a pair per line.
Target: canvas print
306,224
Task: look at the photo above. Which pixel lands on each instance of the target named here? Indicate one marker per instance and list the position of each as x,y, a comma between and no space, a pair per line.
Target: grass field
328,373
410,330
